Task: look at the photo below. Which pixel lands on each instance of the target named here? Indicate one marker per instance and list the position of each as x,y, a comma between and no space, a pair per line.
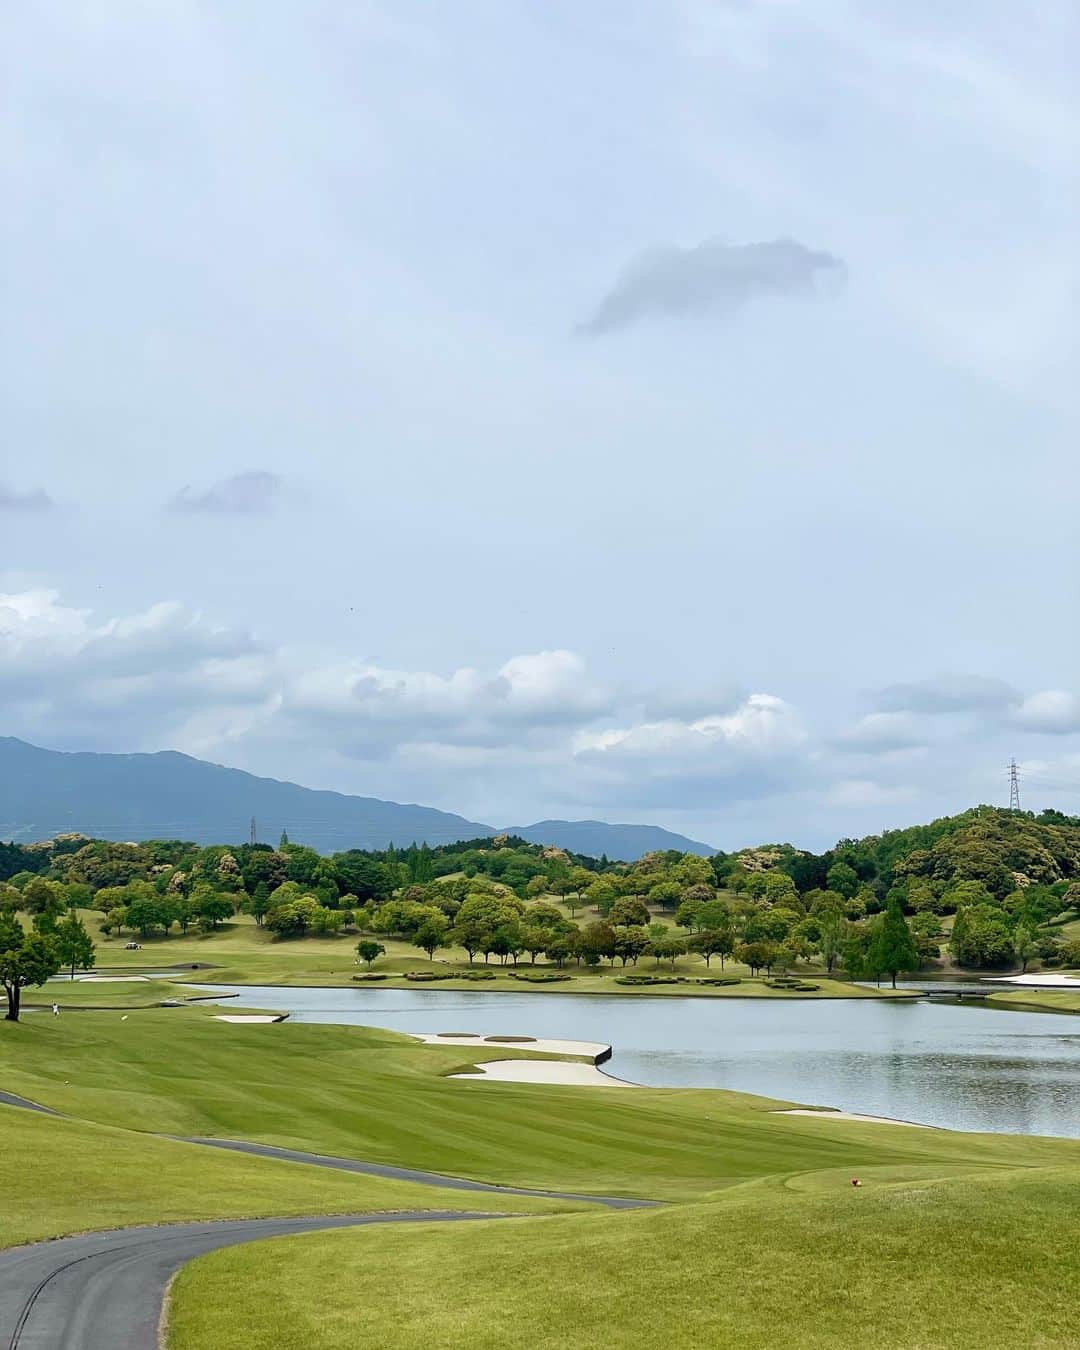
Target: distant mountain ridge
168,795
597,837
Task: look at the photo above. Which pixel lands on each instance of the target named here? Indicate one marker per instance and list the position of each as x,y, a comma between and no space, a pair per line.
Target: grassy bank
66,1176
914,1264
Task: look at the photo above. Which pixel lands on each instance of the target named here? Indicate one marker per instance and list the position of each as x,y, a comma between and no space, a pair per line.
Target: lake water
962,1066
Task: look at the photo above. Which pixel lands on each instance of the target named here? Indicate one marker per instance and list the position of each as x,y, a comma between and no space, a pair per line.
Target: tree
1023,946
666,894
601,894
630,943
369,951
283,842
668,948
433,933
830,938
144,913
260,902
505,941
757,955
598,939
631,910
293,918
25,959
714,942
535,939
212,908
74,945
892,947
688,915
843,879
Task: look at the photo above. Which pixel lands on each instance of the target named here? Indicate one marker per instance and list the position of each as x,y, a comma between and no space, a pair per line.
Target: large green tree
74,945
892,946
25,959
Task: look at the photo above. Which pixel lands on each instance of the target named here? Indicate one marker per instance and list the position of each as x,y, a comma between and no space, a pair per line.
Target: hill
595,838
168,795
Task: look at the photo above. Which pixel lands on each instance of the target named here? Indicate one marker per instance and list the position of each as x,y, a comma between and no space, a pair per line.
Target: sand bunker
556,1071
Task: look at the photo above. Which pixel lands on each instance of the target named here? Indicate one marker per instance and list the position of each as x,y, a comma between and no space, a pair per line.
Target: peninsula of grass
241,952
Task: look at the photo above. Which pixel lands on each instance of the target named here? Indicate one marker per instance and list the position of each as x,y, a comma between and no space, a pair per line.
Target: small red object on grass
855,1181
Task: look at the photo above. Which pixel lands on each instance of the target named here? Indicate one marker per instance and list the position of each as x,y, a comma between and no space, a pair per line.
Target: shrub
425,976
721,979
473,975
372,975
649,979
539,976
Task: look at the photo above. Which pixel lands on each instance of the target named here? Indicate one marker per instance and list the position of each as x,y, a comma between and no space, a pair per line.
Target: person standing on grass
56,1009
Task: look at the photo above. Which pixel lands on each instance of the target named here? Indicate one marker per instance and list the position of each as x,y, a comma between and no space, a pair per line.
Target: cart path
105,1290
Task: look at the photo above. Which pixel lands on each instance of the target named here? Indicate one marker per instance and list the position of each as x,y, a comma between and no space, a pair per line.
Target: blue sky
656,411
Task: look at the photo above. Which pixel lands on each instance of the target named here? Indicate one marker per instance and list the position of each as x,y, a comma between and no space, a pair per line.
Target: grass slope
66,1176
380,1096
954,1264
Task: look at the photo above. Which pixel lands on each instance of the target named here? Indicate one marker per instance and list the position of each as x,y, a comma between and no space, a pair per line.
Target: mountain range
167,795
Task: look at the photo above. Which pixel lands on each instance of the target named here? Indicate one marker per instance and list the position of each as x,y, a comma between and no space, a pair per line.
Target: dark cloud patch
36,500
949,694
244,494
712,278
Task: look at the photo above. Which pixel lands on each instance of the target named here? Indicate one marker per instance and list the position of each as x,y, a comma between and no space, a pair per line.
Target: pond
958,1065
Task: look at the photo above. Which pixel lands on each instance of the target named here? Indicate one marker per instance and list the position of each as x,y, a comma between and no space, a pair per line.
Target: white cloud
856,793
37,499
751,751
944,694
1053,711
253,493
712,278
883,732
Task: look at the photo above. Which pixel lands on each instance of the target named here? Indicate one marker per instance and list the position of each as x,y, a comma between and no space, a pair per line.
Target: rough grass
947,1265
64,1176
380,1096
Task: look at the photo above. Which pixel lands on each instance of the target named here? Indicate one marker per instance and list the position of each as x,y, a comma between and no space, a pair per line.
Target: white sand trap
1043,980
593,1050
852,1115
545,1071
251,1017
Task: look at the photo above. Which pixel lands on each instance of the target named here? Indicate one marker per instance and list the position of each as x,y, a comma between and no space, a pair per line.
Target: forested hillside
986,889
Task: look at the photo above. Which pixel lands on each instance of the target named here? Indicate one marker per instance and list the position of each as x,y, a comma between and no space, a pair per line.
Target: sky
653,411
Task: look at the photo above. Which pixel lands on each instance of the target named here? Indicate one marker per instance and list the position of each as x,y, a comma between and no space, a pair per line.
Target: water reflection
964,1066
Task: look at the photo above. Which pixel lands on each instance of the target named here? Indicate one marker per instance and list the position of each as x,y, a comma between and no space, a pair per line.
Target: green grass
92,994
68,1176
381,1096
1037,1000
914,1264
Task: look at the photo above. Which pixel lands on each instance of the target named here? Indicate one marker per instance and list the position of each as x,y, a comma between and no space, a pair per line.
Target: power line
253,839
1014,786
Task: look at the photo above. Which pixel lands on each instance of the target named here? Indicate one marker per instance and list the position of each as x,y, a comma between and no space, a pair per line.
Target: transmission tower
253,839
1014,786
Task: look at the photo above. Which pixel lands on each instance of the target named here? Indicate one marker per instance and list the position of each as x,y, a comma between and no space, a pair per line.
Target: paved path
410,1174
10,1099
105,1291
